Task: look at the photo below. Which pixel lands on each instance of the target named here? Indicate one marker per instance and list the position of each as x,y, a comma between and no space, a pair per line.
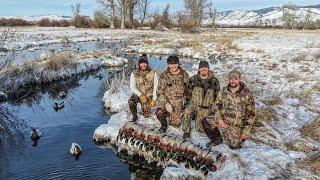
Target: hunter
234,114
202,91
143,85
171,92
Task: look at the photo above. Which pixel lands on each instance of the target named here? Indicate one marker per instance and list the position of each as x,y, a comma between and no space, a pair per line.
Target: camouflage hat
173,59
234,74
203,64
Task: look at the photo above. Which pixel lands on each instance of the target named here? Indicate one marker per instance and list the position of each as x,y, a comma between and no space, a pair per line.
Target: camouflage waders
171,90
201,94
237,111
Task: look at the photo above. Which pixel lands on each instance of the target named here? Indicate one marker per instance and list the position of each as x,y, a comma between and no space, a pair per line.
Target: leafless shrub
46,22
59,61
161,20
14,22
301,146
312,130
100,20
300,57
185,22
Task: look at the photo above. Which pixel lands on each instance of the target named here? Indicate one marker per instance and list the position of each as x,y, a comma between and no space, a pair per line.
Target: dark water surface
76,122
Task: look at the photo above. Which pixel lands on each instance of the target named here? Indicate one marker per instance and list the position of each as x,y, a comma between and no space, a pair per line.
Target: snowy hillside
272,16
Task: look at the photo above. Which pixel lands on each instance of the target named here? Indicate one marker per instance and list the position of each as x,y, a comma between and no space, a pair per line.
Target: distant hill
271,16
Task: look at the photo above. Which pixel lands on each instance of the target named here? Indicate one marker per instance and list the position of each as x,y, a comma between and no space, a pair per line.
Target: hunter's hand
143,98
221,123
152,103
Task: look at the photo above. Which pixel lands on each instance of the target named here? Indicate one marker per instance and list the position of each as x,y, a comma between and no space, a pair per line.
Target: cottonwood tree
109,6
143,6
195,8
131,5
123,9
212,13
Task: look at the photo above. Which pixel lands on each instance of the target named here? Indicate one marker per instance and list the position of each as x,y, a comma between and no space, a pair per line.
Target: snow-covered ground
281,67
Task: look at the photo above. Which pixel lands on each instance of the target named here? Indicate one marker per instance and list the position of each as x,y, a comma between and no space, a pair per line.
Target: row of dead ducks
169,148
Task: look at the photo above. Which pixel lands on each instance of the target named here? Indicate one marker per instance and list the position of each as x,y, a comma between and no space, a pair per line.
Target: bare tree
76,9
123,9
143,10
212,12
131,5
109,5
195,8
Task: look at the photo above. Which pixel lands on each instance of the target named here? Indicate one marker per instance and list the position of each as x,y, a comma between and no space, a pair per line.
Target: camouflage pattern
201,93
144,83
238,112
144,80
133,102
171,90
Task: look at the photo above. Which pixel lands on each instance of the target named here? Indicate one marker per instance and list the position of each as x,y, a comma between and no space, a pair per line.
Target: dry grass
301,146
311,163
300,57
265,114
312,130
292,77
273,101
59,61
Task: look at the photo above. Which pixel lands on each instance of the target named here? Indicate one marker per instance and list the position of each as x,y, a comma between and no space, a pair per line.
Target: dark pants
133,102
212,132
162,114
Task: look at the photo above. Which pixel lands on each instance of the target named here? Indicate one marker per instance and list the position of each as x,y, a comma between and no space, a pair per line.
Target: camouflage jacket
236,109
202,92
144,81
172,86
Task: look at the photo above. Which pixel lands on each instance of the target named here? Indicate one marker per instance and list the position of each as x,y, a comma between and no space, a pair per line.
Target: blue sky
63,7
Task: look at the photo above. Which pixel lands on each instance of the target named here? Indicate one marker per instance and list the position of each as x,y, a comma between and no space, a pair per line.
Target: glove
143,99
152,103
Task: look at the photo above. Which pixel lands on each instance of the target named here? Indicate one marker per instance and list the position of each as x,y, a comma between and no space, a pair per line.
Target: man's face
204,71
173,67
143,66
234,82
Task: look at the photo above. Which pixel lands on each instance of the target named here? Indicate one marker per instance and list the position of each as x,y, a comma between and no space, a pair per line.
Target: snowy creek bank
15,79
282,112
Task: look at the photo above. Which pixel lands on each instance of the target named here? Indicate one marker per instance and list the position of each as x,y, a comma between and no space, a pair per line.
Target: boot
162,118
212,133
186,136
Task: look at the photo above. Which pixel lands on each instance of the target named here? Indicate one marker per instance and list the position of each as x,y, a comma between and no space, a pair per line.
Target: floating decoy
58,106
35,135
76,150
